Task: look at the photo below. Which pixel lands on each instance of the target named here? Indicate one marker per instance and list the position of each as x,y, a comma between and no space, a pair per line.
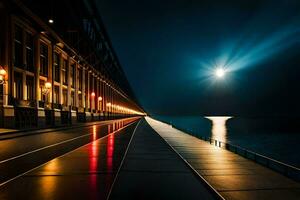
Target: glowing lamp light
99,98
108,104
46,88
2,72
47,85
2,75
93,94
220,72
51,21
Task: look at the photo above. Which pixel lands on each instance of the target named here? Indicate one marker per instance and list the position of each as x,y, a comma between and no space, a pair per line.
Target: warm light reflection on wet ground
48,183
87,172
110,151
219,130
93,163
94,132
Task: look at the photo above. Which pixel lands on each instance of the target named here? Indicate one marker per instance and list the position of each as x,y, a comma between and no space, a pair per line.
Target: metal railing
283,168
280,167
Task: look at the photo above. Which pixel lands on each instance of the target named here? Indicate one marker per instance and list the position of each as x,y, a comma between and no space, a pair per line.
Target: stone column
109,97
37,70
24,85
98,93
61,60
76,76
101,93
50,73
88,92
5,50
69,82
94,91
104,95
83,88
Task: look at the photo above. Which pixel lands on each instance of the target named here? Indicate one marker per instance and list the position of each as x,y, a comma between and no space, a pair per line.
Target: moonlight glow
220,72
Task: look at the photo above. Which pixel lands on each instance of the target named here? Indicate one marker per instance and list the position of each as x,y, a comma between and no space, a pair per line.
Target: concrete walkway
152,170
12,133
234,177
84,173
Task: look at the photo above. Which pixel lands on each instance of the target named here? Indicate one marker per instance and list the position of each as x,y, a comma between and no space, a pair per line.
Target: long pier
231,175
148,159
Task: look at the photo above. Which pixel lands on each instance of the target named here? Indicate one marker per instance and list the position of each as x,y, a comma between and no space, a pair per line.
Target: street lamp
51,21
46,88
2,75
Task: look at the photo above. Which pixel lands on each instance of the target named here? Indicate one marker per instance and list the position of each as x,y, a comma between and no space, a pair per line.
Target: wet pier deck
233,176
84,173
152,170
149,170
149,160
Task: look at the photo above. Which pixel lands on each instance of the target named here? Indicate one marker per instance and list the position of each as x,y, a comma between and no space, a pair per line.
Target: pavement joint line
215,192
250,174
223,175
198,168
24,173
122,162
156,171
260,189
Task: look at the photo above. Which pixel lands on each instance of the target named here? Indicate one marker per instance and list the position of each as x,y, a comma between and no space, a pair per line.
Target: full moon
220,72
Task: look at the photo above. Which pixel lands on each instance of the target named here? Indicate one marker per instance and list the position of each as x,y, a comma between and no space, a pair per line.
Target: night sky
169,50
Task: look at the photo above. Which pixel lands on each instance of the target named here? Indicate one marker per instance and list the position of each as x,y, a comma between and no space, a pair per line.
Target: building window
18,47
29,52
56,67
43,59
30,87
65,97
65,72
18,85
56,94
72,75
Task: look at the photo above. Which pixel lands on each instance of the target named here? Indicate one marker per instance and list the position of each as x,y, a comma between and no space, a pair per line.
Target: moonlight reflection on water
219,130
